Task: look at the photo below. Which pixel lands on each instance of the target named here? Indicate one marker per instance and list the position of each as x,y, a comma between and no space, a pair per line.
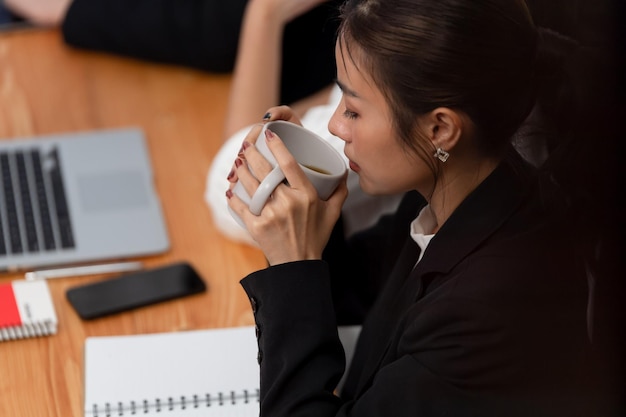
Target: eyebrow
345,89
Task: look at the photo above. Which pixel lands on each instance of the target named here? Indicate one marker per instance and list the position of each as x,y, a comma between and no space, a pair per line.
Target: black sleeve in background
204,34
201,34
309,52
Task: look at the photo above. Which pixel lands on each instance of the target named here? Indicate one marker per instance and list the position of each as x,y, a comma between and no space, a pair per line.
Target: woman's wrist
270,14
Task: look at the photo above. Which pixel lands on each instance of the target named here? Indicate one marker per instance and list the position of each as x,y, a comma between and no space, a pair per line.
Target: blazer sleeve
196,33
425,371
300,354
301,357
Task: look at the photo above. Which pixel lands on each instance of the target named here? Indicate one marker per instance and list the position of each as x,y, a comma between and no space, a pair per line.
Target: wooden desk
47,87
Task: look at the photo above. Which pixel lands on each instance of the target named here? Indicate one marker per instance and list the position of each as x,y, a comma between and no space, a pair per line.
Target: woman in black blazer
474,294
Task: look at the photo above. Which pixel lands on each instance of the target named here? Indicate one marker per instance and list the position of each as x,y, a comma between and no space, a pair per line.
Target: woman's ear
444,128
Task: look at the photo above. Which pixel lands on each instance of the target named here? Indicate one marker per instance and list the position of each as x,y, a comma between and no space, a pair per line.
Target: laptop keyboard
34,214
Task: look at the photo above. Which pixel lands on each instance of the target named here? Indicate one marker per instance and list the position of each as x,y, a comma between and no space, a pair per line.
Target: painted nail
245,145
267,116
229,194
269,134
231,174
238,162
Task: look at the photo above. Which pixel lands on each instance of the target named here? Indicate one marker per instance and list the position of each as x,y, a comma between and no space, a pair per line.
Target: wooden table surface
48,87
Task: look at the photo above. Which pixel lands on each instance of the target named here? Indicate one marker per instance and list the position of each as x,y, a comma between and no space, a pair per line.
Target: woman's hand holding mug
287,189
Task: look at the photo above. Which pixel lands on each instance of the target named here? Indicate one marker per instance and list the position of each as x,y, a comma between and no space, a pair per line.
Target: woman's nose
336,125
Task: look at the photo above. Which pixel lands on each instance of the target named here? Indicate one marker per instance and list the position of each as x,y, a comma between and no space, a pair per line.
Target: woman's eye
349,114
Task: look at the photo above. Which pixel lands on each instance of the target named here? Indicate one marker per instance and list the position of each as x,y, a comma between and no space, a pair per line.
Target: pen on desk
83,270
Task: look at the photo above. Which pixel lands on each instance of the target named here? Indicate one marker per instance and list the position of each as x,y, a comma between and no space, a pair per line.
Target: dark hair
487,58
473,55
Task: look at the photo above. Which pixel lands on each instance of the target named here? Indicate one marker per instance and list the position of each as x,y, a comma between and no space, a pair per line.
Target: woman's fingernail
267,116
245,145
231,174
269,134
238,162
229,194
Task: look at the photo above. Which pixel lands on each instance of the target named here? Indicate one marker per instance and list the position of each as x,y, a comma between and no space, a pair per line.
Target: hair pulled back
477,56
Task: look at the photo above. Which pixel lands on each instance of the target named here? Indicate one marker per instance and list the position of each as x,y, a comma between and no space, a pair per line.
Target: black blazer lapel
381,322
479,216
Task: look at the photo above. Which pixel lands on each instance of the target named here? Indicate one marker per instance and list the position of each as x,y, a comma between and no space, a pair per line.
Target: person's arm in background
264,78
201,34
255,88
47,13
257,77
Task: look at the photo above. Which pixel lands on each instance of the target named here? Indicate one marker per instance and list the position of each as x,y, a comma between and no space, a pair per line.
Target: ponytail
576,115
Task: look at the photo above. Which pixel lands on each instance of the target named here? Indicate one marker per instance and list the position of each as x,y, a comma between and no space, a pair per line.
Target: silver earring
441,155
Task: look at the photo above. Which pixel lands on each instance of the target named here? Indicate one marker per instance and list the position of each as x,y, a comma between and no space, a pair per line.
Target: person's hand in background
40,12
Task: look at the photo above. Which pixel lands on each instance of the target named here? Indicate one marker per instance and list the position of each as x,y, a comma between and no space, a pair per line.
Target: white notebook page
178,374
171,374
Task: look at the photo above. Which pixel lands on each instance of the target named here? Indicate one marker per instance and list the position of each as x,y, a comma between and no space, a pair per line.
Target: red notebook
26,310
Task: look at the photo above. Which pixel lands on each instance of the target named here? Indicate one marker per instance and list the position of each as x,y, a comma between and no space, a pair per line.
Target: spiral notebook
177,374
26,310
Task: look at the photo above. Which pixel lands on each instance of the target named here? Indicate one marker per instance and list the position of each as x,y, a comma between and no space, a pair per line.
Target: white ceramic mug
321,163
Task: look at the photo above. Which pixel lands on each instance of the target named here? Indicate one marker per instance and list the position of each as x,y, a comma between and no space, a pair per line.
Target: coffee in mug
322,164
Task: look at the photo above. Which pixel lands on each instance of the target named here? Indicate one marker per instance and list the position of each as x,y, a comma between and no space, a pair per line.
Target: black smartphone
134,290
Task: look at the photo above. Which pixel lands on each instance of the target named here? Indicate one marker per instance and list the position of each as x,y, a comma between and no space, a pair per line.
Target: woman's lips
354,167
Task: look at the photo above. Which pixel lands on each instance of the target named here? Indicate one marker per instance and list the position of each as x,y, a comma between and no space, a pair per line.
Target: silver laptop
77,198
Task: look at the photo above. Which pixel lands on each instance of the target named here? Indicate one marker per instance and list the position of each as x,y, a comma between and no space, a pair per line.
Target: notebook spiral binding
26,330
172,404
